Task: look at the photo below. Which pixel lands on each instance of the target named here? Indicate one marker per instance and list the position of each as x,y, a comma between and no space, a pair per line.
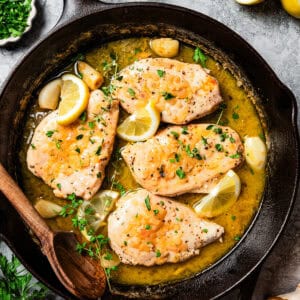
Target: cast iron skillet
90,22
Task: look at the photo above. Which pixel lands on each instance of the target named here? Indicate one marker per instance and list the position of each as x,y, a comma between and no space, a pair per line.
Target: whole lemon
292,7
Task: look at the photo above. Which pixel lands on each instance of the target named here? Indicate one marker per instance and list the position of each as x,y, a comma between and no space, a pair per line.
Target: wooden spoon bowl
81,275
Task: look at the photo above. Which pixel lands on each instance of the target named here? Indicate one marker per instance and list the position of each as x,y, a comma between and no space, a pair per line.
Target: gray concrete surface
276,36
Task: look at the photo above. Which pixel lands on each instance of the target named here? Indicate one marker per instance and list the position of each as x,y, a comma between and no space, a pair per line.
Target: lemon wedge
256,153
249,2
141,125
74,99
292,7
221,197
96,210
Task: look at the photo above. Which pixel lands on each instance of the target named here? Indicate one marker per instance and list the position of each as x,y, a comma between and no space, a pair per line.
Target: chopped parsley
262,136
218,130
91,124
209,127
125,243
156,211
232,140
235,115
131,92
79,137
50,133
157,253
180,173
148,227
161,73
83,116
233,218
99,174
147,202
32,146
168,96
99,149
204,140
120,187
219,147
200,57
184,130
237,155
205,230
58,144
237,238
59,186
137,50
14,16
77,150
175,134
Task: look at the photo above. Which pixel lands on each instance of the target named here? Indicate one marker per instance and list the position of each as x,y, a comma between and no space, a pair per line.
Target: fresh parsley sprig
16,283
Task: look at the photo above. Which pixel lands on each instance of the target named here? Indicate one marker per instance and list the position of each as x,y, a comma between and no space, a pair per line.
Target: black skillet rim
268,69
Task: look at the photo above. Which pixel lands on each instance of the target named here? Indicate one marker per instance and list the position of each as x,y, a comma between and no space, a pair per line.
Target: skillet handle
25,209
75,9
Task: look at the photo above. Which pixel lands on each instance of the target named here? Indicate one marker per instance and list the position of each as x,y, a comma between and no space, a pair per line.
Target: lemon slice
256,152
221,197
96,210
249,2
141,125
292,7
74,99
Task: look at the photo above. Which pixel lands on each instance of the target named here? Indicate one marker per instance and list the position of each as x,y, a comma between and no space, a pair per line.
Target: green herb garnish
147,202
180,173
168,96
13,17
200,57
219,147
161,73
131,92
175,134
15,281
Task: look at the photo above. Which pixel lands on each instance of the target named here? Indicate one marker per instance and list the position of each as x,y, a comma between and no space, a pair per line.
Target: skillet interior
145,19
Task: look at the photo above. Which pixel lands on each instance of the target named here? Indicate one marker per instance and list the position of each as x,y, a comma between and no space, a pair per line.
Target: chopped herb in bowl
15,18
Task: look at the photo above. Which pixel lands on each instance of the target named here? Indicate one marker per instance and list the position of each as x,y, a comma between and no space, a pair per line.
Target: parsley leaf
200,57
147,202
161,73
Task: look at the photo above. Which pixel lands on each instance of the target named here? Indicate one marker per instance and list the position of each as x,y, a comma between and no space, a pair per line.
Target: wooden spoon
81,275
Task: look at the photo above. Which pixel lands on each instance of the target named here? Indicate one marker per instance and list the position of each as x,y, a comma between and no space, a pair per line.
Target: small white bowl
29,25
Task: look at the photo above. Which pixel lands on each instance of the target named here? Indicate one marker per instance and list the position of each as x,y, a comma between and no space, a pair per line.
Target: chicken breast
72,159
146,229
187,159
182,92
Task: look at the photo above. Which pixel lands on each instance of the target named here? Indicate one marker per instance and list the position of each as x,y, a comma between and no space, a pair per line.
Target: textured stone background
276,36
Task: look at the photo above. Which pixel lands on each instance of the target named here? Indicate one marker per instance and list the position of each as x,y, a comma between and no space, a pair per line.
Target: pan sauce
235,221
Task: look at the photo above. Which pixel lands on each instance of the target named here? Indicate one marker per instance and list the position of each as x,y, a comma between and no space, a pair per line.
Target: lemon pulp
74,99
141,125
96,210
221,198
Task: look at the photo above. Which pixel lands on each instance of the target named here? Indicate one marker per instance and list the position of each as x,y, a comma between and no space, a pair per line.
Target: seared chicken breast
184,159
146,229
72,159
182,92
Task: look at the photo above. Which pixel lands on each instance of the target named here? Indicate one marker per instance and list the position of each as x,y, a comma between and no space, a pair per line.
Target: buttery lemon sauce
235,221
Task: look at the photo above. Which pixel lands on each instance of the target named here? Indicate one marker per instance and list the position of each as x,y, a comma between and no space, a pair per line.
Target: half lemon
74,99
221,197
96,210
141,125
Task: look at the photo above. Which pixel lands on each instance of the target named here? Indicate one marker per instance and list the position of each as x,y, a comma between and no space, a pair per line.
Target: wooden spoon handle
17,198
